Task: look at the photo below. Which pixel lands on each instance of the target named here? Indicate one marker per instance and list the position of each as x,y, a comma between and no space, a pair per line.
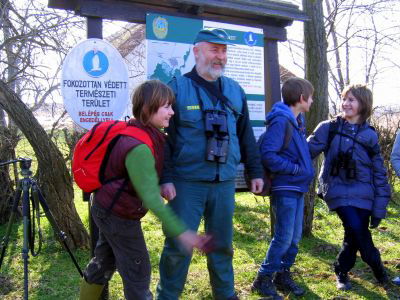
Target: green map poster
169,43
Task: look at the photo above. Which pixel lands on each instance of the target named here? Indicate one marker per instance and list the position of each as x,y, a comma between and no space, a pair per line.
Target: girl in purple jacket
353,180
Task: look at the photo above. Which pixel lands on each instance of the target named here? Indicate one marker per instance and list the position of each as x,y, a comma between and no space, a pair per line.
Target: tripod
28,188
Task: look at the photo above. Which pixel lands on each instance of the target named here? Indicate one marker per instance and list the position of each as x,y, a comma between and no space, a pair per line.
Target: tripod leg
14,212
26,222
37,194
25,218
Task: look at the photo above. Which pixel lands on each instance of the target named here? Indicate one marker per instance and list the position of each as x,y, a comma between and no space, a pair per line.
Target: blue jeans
287,234
215,202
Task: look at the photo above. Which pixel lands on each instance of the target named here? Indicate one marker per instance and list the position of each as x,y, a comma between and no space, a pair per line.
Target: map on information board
172,59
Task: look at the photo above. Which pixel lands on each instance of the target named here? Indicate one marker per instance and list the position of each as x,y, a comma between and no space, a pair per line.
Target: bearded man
209,135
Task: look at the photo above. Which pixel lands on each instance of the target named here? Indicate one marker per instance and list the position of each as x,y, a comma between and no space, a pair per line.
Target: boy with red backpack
128,176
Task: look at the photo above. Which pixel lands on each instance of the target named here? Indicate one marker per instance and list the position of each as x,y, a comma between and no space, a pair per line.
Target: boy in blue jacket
291,166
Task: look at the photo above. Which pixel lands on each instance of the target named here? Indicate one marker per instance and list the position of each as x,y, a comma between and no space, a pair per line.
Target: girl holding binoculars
353,180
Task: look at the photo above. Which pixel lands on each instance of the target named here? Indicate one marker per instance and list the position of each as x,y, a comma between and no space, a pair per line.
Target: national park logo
160,27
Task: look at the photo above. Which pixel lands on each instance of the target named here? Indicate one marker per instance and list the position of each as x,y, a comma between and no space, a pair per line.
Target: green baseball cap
216,36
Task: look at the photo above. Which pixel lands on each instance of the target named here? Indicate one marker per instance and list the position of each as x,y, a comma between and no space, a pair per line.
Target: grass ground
52,274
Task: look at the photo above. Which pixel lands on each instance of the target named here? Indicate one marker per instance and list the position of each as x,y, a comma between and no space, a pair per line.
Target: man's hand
190,239
168,191
256,185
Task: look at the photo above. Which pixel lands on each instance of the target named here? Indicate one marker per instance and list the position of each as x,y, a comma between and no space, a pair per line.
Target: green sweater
140,164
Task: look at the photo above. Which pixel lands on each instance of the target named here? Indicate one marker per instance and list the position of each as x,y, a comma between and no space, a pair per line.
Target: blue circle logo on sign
95,63
250,38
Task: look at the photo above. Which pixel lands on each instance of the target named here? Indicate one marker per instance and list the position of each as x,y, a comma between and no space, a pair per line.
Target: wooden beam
94,27
272,75
136,13
274,9
280,10
63,4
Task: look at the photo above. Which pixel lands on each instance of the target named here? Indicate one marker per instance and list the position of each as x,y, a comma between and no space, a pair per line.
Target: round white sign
94,83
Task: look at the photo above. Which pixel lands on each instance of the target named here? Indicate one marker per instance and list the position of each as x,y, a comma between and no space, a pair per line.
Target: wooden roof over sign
259,13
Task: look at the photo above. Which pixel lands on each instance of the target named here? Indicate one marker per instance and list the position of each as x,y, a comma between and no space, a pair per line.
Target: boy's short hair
148,98
293,88
365,99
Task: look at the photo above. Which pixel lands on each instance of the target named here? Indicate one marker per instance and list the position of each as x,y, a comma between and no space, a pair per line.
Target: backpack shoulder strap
211,89
333,130
374,149
288,135
287,138
138,134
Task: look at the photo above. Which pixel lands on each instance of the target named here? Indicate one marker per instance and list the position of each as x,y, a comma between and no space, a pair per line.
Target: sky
386,85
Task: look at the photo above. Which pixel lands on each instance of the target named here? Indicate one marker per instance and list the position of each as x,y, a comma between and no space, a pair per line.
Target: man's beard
212,72
216,73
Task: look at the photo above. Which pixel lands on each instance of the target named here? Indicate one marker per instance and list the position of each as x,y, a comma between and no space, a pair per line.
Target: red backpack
93,149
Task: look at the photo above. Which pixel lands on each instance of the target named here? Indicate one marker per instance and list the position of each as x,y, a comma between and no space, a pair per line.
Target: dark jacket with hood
369,189
291,167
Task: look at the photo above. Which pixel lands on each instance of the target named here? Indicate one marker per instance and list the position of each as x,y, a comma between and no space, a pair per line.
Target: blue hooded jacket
291,168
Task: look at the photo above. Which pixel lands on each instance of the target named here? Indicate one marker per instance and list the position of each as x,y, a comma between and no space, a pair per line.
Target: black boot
380,274
284,282
264,286
342,279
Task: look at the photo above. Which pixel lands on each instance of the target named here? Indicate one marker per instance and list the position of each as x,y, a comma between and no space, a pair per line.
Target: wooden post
272,88
272,75
94,30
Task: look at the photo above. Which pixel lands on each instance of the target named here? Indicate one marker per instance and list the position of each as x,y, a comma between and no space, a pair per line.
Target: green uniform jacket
185,156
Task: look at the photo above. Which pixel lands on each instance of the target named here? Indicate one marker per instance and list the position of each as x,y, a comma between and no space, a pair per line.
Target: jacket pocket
189,118
192,151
